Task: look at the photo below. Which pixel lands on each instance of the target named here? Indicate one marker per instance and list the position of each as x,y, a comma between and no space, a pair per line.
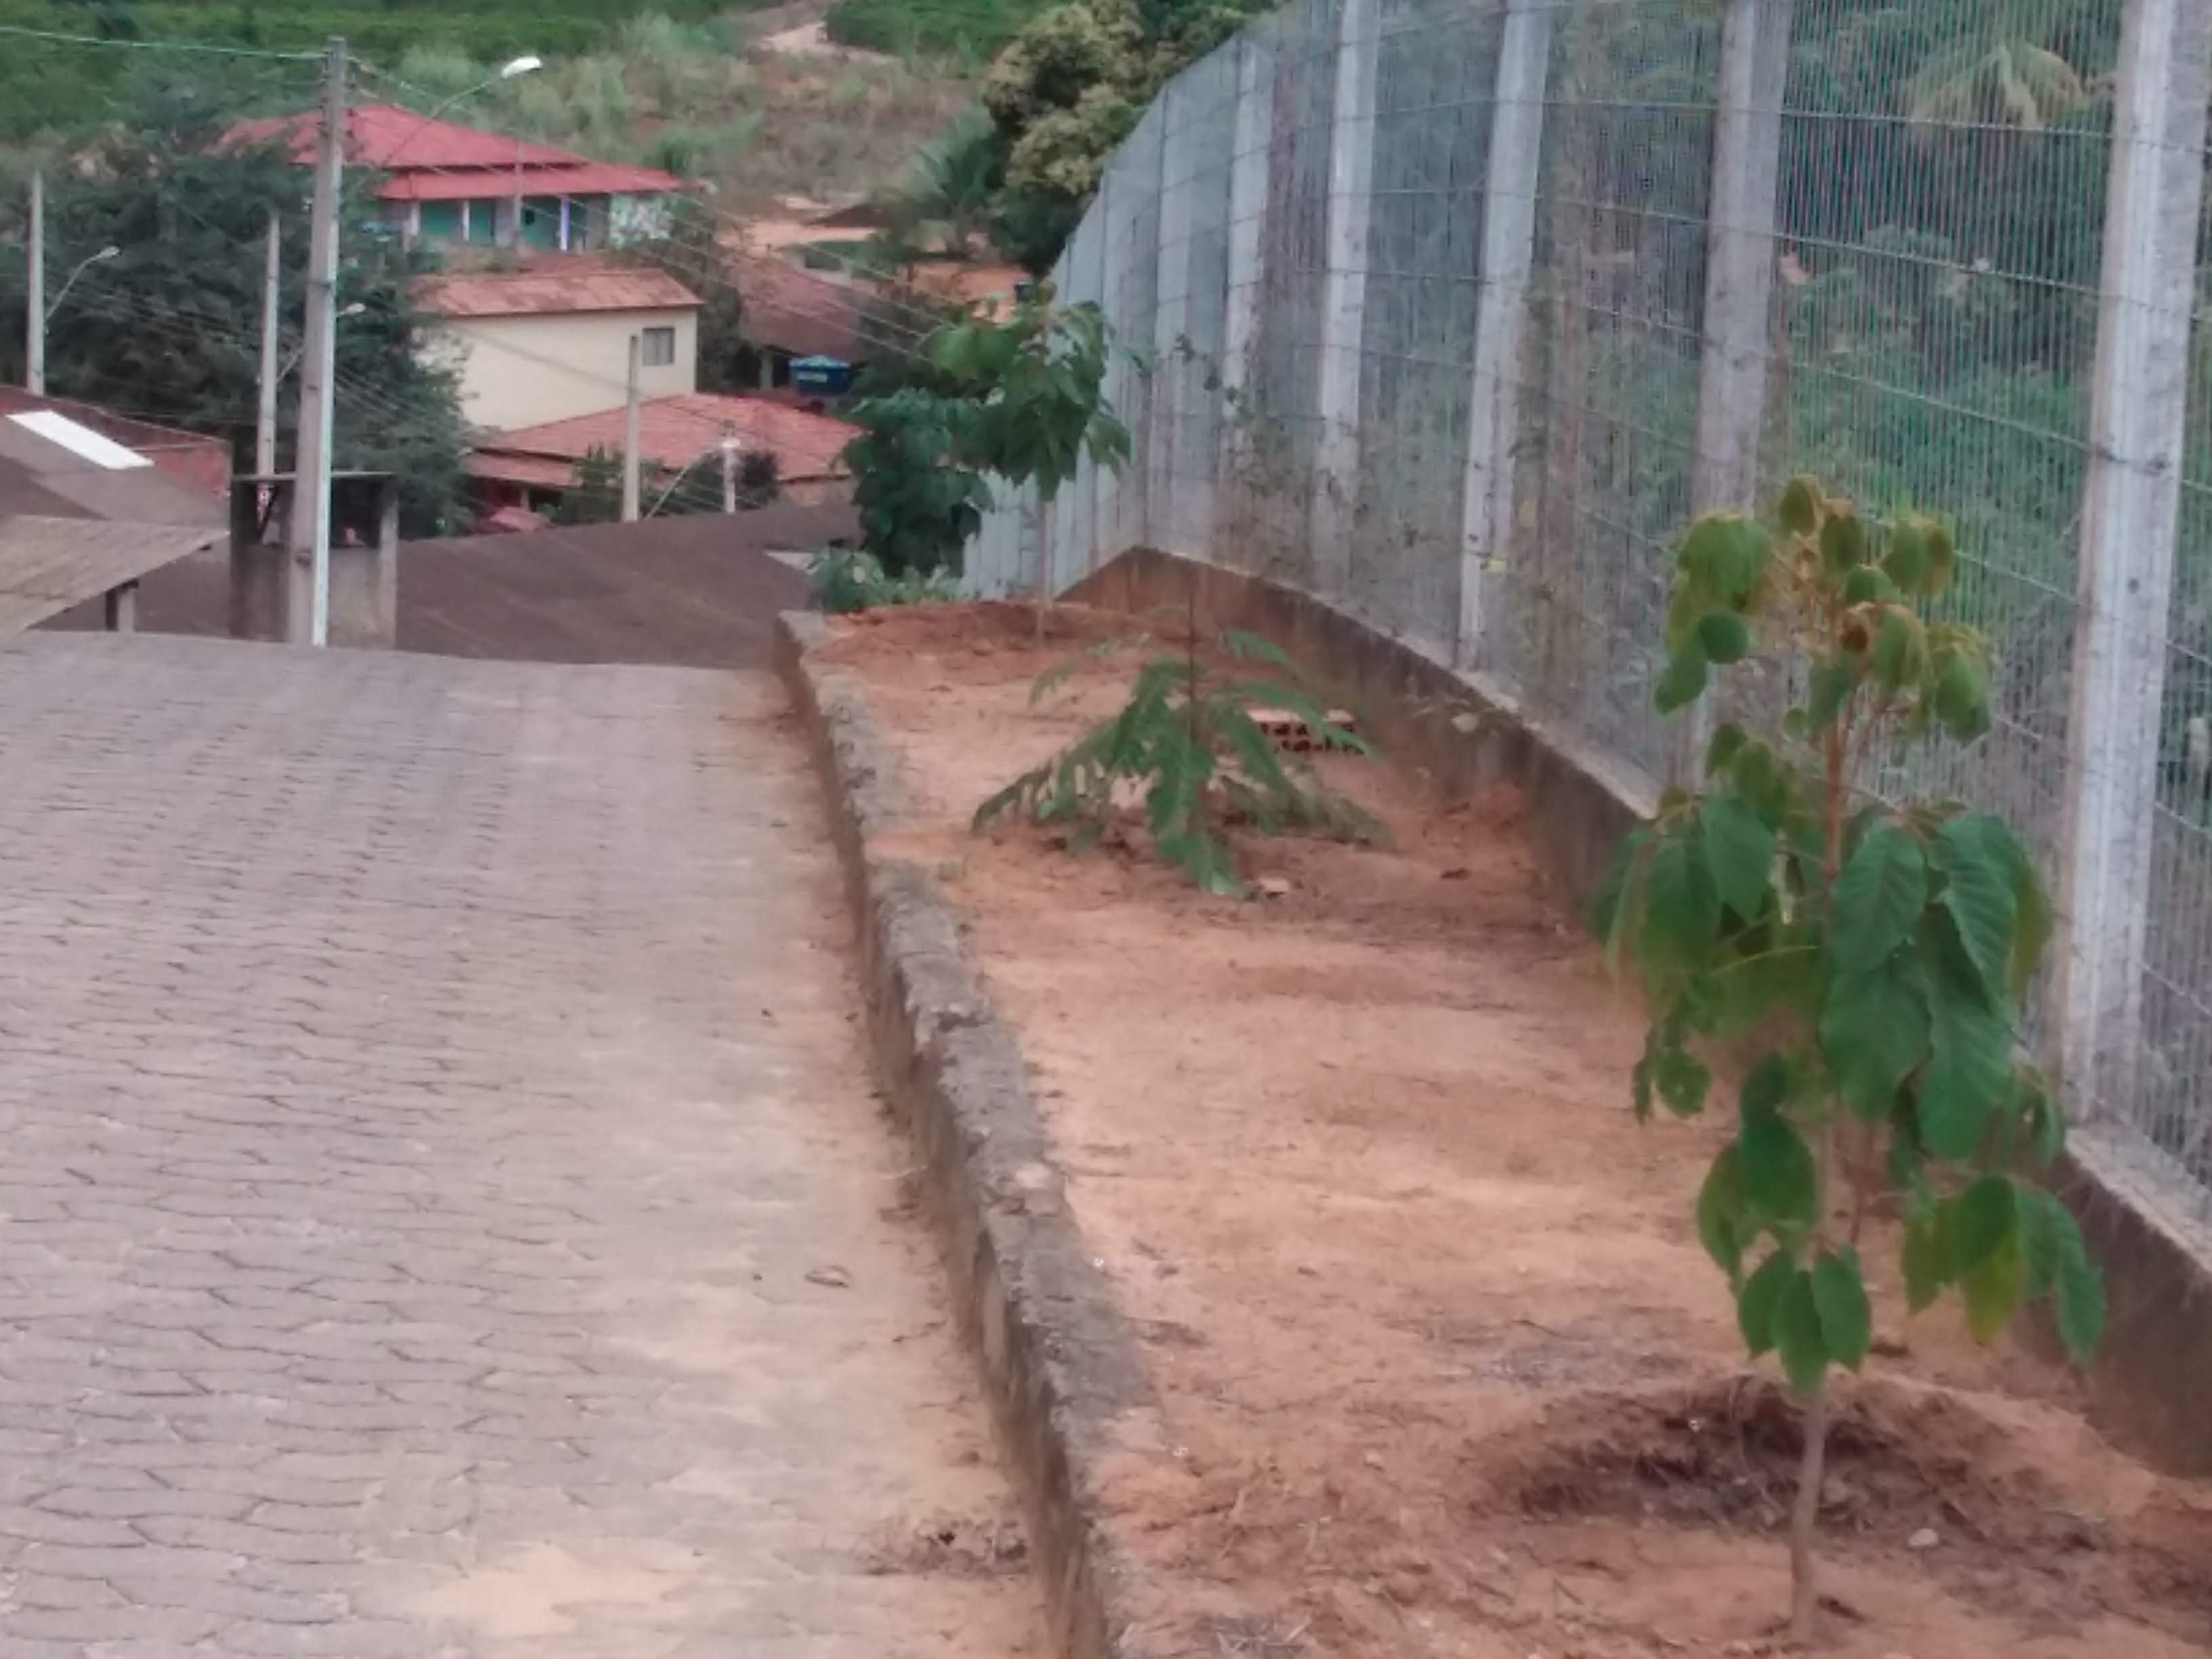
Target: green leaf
1725,554
1979,894
1800,507
1877,899
1798,1334
1256,648
1756,1302
1992,1290
1720,1211
1728,741
1681,905
1725,637
1906,558
2057,1265
1962,695
1969,1073
1983,1218
1892,659
1683,683
1867,583
1873,1033
2078,1289
1780,1182
1741,850
1840,1296
1829,688
1842,543
1927,1263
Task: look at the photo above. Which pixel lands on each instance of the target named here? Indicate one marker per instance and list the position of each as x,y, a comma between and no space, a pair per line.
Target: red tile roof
440,160
673,431
552,287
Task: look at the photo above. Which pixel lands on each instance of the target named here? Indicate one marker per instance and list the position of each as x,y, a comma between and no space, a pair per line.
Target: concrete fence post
1344,296
1740,260
1251,149
1165,493
2131,519
1508,248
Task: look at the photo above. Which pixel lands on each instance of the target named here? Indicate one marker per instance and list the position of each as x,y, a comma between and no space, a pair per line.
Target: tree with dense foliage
169,329
1069,89
1022,401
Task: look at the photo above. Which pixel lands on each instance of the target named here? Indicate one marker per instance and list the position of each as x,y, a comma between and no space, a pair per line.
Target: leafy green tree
1874,954
1070,87
170,327
1022,400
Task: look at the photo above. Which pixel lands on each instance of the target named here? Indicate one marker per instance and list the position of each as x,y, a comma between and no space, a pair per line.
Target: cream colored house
551,340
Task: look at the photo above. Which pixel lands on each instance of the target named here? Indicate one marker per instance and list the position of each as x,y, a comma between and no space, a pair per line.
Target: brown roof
44,479
673,431
47,565
698,591
192,458
553,287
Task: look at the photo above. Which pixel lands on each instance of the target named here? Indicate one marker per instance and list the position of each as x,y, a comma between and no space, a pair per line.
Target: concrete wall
519,371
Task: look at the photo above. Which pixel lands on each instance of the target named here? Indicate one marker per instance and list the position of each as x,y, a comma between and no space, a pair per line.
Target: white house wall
520,371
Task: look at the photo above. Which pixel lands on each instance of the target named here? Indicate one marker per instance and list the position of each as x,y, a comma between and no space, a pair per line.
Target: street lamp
89,260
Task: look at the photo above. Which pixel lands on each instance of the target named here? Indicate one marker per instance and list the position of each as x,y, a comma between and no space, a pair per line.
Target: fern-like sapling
1188,741
1874,953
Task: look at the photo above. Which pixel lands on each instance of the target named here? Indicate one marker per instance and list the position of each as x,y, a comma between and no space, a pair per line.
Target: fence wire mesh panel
1458,313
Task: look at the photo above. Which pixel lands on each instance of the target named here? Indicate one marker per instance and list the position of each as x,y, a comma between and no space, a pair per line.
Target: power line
200,48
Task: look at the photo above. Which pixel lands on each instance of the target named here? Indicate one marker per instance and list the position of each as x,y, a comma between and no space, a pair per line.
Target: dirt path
445,1210
1451,1375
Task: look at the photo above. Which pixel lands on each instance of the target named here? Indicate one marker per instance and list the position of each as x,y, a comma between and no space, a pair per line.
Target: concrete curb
1068,1383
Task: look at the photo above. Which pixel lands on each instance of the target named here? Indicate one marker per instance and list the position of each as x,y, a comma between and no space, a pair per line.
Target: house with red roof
447,183
681,441
550,338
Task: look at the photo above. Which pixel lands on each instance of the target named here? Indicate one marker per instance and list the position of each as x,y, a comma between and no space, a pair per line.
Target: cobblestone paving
443,1211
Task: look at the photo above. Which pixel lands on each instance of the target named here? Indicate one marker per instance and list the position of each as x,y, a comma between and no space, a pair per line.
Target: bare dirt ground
1446,1368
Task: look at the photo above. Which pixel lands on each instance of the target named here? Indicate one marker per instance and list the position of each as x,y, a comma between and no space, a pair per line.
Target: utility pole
310,542
729,468
35,305
629,440
265,416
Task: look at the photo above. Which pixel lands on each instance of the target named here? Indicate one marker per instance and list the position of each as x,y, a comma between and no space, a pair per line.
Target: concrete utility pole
34,303
310,541
729,468
264,414
629,440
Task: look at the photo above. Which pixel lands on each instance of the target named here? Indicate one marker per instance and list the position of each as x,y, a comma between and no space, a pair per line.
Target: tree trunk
1805,1519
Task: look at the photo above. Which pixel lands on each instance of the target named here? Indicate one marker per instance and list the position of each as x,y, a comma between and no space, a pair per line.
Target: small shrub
843,580
1876,953
1187,738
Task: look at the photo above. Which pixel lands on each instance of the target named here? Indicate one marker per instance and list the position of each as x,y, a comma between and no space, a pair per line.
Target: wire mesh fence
1458,313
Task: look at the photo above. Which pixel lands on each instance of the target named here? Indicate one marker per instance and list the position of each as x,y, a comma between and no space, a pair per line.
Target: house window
658,349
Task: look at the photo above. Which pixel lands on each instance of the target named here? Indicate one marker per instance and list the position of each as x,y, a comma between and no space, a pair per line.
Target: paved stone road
441,1209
